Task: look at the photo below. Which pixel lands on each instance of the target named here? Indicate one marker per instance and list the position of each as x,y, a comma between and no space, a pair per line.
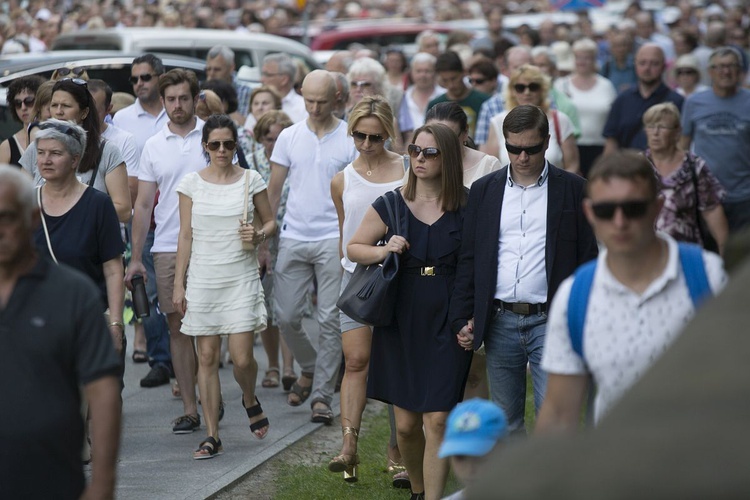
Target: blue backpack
693,268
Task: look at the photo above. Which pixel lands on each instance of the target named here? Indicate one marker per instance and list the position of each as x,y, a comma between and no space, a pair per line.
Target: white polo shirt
125,142
142,124
521,264
624,333
312,163
166,159
293,105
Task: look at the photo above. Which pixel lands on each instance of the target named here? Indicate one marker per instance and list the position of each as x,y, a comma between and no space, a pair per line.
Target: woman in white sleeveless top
375,171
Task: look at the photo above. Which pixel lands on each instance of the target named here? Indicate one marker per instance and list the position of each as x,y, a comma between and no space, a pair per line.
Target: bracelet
117,323
263,232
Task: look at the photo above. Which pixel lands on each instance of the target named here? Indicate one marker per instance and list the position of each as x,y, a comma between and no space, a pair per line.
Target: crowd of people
494,169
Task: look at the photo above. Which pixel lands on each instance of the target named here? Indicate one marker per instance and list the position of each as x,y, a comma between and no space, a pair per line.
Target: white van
249,48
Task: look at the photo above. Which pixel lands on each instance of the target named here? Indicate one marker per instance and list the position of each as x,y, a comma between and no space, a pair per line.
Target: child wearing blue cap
473,429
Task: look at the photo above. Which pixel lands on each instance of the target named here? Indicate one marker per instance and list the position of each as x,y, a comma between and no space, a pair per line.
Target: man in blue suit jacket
524,233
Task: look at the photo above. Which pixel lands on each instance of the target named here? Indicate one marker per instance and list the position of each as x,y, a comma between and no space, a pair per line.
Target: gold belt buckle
427,271
521,308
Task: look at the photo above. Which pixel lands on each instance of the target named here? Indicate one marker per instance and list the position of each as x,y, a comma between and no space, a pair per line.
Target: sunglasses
26,101
477,81
65,129
146,77
215,145
374,138
361,84
67,71
428,153
630,209
77,81
533,87
686,71
529,150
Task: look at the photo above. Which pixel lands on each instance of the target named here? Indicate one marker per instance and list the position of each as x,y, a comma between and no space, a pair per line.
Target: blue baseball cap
473,428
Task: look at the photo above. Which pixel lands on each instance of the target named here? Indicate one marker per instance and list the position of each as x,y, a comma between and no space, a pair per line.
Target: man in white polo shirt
638,299
279,71
167,157
310,153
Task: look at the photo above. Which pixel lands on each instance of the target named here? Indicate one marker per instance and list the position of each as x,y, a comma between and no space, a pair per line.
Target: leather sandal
288,380
271,379
255,411
300,391
346,463
321,415
209,448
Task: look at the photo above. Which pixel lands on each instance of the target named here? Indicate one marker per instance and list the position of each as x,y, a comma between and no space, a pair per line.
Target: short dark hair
177,76
526,117
97,85
30,83
225,91
485,67
152,61
626,164
449,61
448,111
215,122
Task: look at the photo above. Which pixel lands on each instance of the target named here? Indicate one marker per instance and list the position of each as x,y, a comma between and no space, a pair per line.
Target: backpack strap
578,303
694,270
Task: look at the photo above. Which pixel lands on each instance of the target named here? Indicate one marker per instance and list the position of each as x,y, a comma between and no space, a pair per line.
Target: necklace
426,198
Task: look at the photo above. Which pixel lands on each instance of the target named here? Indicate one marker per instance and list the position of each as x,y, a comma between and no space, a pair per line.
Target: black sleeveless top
15,151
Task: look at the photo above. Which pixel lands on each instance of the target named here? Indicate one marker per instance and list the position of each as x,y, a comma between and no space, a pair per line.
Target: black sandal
210,445
255,411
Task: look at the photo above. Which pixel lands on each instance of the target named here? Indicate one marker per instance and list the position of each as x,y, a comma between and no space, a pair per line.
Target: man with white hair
423,89
220,66
279,71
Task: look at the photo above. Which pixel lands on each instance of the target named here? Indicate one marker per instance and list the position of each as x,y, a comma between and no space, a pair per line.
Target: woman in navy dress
416,364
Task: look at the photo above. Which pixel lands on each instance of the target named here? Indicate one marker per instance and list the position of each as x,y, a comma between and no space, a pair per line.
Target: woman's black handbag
370,295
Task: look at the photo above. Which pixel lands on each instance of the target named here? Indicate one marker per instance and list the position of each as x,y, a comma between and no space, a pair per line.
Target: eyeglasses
477,81
215,145
26,101
269,75
686,71
146,77
67,71
722,67
374,138
529,150
533,87
60,127
428,153
360,84
634,209
658,127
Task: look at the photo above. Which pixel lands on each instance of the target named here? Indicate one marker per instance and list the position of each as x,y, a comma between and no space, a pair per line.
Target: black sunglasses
529,150
77,81
360,84
215,145
686,71
633,209
28,101
67,71
146,77
477,81
374,138
65,129
428,153
533,87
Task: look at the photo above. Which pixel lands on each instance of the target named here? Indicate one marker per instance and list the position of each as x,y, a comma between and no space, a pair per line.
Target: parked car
112,67
249,48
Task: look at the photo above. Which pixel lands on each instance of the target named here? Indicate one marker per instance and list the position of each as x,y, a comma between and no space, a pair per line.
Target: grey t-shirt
111,159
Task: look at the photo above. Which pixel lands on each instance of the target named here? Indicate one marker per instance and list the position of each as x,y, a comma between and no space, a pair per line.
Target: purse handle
44,223
247,196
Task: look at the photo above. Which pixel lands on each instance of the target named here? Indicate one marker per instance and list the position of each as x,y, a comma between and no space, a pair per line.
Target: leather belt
430,270
523,308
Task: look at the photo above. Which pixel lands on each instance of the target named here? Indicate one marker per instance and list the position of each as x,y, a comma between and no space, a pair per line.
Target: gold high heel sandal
346,463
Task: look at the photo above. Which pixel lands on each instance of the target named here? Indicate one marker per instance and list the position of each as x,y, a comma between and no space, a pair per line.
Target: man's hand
135,268
465,336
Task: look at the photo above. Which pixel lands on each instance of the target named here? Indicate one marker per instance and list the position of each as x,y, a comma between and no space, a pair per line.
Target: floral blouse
679,217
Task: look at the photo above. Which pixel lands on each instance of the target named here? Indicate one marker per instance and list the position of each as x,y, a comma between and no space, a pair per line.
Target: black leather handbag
370,295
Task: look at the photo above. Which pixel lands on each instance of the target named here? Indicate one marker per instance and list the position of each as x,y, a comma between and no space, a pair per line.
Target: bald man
310,153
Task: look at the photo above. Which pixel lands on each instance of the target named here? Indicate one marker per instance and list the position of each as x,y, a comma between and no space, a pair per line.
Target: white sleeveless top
359,195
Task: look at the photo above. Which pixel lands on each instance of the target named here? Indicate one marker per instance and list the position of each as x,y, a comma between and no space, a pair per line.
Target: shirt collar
198,126
540,181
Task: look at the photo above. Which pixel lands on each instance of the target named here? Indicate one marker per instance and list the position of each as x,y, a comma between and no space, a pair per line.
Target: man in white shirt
167,157
638,302
279,71
310,153
220,65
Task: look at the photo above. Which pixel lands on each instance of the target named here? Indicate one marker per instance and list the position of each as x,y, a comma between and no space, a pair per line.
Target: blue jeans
512,342
155,325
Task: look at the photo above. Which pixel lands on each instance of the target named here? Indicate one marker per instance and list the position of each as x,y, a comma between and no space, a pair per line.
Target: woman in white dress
528,85
224,295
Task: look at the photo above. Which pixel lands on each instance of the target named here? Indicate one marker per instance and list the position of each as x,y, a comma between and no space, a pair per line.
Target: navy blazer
570,242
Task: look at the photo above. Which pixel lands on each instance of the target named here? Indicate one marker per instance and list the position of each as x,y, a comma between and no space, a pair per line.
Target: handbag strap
394,216
247,196
44,223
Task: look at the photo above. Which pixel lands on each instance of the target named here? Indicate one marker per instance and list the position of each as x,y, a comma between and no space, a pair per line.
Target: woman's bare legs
209,386
411,443
245,370
356,345
435,469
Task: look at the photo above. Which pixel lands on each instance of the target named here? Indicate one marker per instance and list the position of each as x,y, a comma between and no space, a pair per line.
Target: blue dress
416,362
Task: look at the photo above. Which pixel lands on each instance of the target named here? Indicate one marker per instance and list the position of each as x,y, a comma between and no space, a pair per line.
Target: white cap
43,15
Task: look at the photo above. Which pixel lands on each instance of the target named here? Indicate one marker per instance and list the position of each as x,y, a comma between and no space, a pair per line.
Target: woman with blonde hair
528,85
375,171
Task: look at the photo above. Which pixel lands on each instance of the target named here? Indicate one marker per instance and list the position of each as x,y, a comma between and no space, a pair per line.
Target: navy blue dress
416,363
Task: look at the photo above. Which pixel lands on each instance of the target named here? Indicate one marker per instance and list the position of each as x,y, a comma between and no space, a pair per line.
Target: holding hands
465,337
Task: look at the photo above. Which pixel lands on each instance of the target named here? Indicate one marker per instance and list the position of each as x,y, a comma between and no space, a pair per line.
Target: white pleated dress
223,291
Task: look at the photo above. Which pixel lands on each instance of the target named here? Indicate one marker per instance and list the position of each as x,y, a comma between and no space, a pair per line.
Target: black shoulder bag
709,243
370,296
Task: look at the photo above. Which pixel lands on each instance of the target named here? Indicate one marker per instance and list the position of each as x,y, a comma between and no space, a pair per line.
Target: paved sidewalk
156,464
